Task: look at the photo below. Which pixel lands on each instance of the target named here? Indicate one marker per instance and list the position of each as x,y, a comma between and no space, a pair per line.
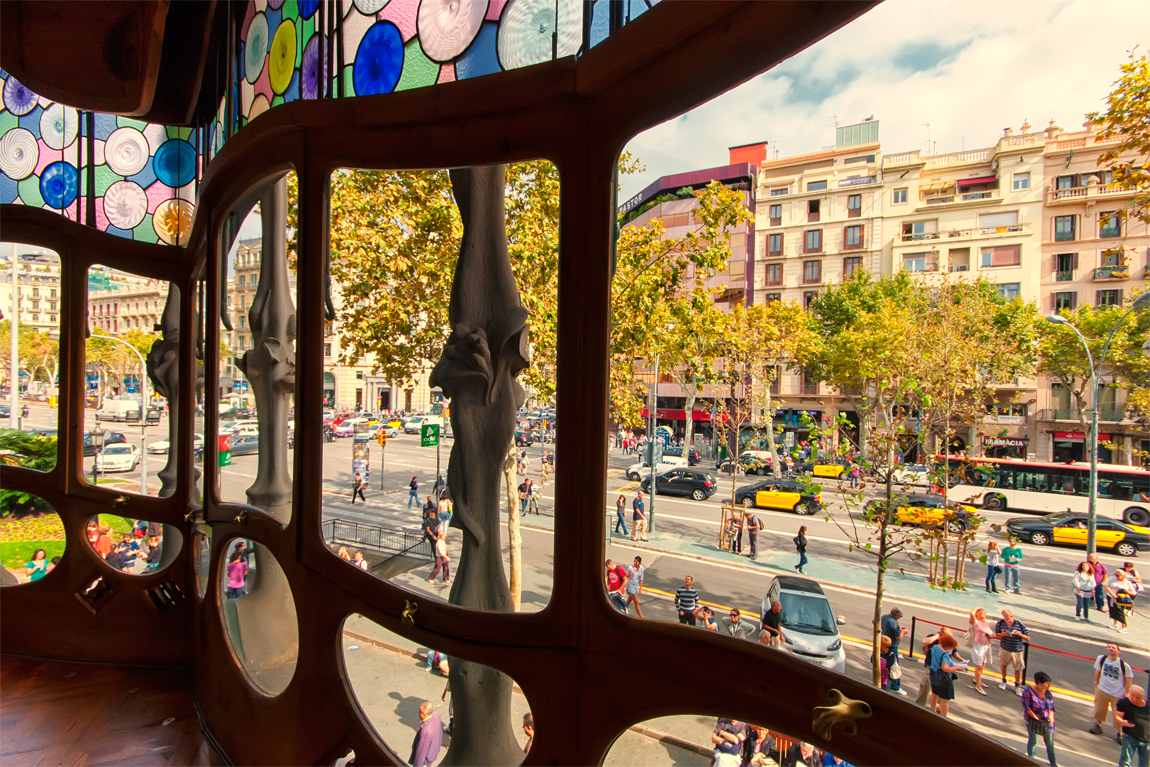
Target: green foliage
14,555
1127,118
18,448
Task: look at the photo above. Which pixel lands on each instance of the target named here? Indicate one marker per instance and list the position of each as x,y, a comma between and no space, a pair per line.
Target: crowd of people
139,551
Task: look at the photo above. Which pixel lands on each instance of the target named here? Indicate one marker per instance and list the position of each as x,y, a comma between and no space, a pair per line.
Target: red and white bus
1003,484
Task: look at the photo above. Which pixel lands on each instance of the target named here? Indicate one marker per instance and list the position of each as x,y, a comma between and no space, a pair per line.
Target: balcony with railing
969,234
1112,273
1064,276
809,389
945,200
857,181
1060,414
1073,194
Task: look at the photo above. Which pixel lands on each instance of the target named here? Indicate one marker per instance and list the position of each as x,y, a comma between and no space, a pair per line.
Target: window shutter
1074,295
932,261
1119,302
1074,261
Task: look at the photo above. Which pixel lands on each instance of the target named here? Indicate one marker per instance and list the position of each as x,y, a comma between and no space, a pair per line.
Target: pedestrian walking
981,632
890,628
943,671
734,625
1011,635
237,574
687,601
529,731
616,582
428,738
1120,598
752,525
638,517
357,489
524,488
1132,578
1011,559
620,509
442,561
1132,714
772,632
854,475
1038,714
634,587
1113,678
801,546
928,644
431,526
1100,573
728,739
993,566
1083,583
413,491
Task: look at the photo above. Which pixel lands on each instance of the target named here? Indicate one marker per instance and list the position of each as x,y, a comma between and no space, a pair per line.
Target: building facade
38,289
1092,253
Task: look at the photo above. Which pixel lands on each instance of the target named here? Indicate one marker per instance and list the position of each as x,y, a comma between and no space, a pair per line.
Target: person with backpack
801,546
1112,680
616,583
413,491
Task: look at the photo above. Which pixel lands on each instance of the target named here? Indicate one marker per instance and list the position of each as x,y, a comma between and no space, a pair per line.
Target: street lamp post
13,333
97,437
651,445
143,411
1096,373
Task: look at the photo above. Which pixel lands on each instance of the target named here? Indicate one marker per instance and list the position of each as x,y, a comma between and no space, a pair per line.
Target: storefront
328,390
1005,447
1071,446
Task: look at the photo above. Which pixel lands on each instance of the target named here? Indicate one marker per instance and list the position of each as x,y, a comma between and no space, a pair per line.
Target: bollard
910,645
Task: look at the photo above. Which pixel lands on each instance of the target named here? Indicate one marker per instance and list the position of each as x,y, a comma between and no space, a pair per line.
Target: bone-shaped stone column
270,365
487,349
163,371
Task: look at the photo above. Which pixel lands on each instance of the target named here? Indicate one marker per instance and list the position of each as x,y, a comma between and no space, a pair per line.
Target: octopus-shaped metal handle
409,609
119,501
842,710
242,517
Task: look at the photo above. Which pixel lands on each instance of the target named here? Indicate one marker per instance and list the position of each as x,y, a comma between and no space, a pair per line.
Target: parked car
930,510
809,626
415,424
345,428
677,452
911,474
110,438
685,482
43,433
162,446
245,444
637,471
124,457
240,427
390,430
523,439
784,494
6,410
1069,529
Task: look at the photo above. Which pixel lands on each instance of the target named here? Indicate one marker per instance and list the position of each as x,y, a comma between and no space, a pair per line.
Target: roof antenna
927,135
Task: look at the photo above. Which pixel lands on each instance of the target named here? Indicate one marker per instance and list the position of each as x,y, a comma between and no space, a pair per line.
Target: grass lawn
15,554
120,525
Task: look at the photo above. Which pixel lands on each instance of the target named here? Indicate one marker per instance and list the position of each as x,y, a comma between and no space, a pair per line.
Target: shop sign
1078,436
1004,442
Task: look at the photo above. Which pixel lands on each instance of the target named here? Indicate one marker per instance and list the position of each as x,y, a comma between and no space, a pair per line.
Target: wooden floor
55,713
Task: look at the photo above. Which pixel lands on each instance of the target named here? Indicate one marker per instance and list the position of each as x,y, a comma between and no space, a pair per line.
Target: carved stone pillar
270,365
163,371
485,352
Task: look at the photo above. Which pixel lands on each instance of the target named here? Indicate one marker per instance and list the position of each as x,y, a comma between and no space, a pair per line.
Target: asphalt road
723,585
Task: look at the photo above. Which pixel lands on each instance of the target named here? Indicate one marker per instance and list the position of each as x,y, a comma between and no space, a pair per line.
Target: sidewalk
389,683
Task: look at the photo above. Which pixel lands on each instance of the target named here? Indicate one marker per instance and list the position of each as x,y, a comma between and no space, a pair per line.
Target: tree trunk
692,393
514,539
776,469
876,622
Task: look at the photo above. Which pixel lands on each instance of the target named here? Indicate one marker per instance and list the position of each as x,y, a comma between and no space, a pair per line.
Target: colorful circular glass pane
281,58
379,60
126,151
19,153
256,48
58,126
175,163
173,221
59,183
125,204
18,99
447,27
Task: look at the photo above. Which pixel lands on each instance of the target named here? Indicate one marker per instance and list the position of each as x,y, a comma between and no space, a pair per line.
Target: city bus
1002,484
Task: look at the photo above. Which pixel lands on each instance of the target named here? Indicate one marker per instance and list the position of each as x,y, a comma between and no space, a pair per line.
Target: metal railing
379,539
1112,273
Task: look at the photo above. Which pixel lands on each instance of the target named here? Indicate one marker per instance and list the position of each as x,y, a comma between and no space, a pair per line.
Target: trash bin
225,450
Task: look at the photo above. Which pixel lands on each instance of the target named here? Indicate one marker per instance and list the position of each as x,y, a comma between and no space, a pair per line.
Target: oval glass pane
259,615
31,538
203,558
133,546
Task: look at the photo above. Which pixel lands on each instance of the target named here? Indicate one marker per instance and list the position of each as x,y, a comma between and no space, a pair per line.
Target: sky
969,68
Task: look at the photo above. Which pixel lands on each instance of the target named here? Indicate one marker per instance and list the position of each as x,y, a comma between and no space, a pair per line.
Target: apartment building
37,289
1092,253
818,221
129,304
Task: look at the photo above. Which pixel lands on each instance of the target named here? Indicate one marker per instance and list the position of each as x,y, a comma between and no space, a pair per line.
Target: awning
935,187
979,180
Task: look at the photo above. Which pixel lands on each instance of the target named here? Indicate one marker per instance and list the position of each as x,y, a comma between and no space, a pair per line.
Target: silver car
810,629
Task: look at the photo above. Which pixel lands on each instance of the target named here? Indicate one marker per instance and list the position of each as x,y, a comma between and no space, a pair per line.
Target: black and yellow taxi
784,494
827,468
931,510
1069,529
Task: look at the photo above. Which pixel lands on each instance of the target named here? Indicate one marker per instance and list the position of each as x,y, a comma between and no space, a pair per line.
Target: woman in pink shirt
237,574
981,632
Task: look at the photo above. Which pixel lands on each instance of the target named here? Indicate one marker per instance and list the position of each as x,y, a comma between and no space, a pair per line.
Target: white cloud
968,67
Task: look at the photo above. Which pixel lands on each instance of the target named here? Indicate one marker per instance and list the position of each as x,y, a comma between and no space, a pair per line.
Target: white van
119,410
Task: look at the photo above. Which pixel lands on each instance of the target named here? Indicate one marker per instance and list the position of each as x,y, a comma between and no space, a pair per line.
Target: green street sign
429,435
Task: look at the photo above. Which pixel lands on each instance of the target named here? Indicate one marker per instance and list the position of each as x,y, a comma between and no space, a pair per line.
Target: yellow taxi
781,494
928,510
1070,529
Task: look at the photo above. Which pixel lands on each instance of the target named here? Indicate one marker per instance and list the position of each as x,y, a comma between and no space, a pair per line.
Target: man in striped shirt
687,601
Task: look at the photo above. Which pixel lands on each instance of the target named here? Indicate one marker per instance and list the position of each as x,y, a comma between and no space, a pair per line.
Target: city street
683,543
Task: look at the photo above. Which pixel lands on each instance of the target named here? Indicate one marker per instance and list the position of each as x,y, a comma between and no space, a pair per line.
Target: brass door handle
119,501
409,609
842,710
